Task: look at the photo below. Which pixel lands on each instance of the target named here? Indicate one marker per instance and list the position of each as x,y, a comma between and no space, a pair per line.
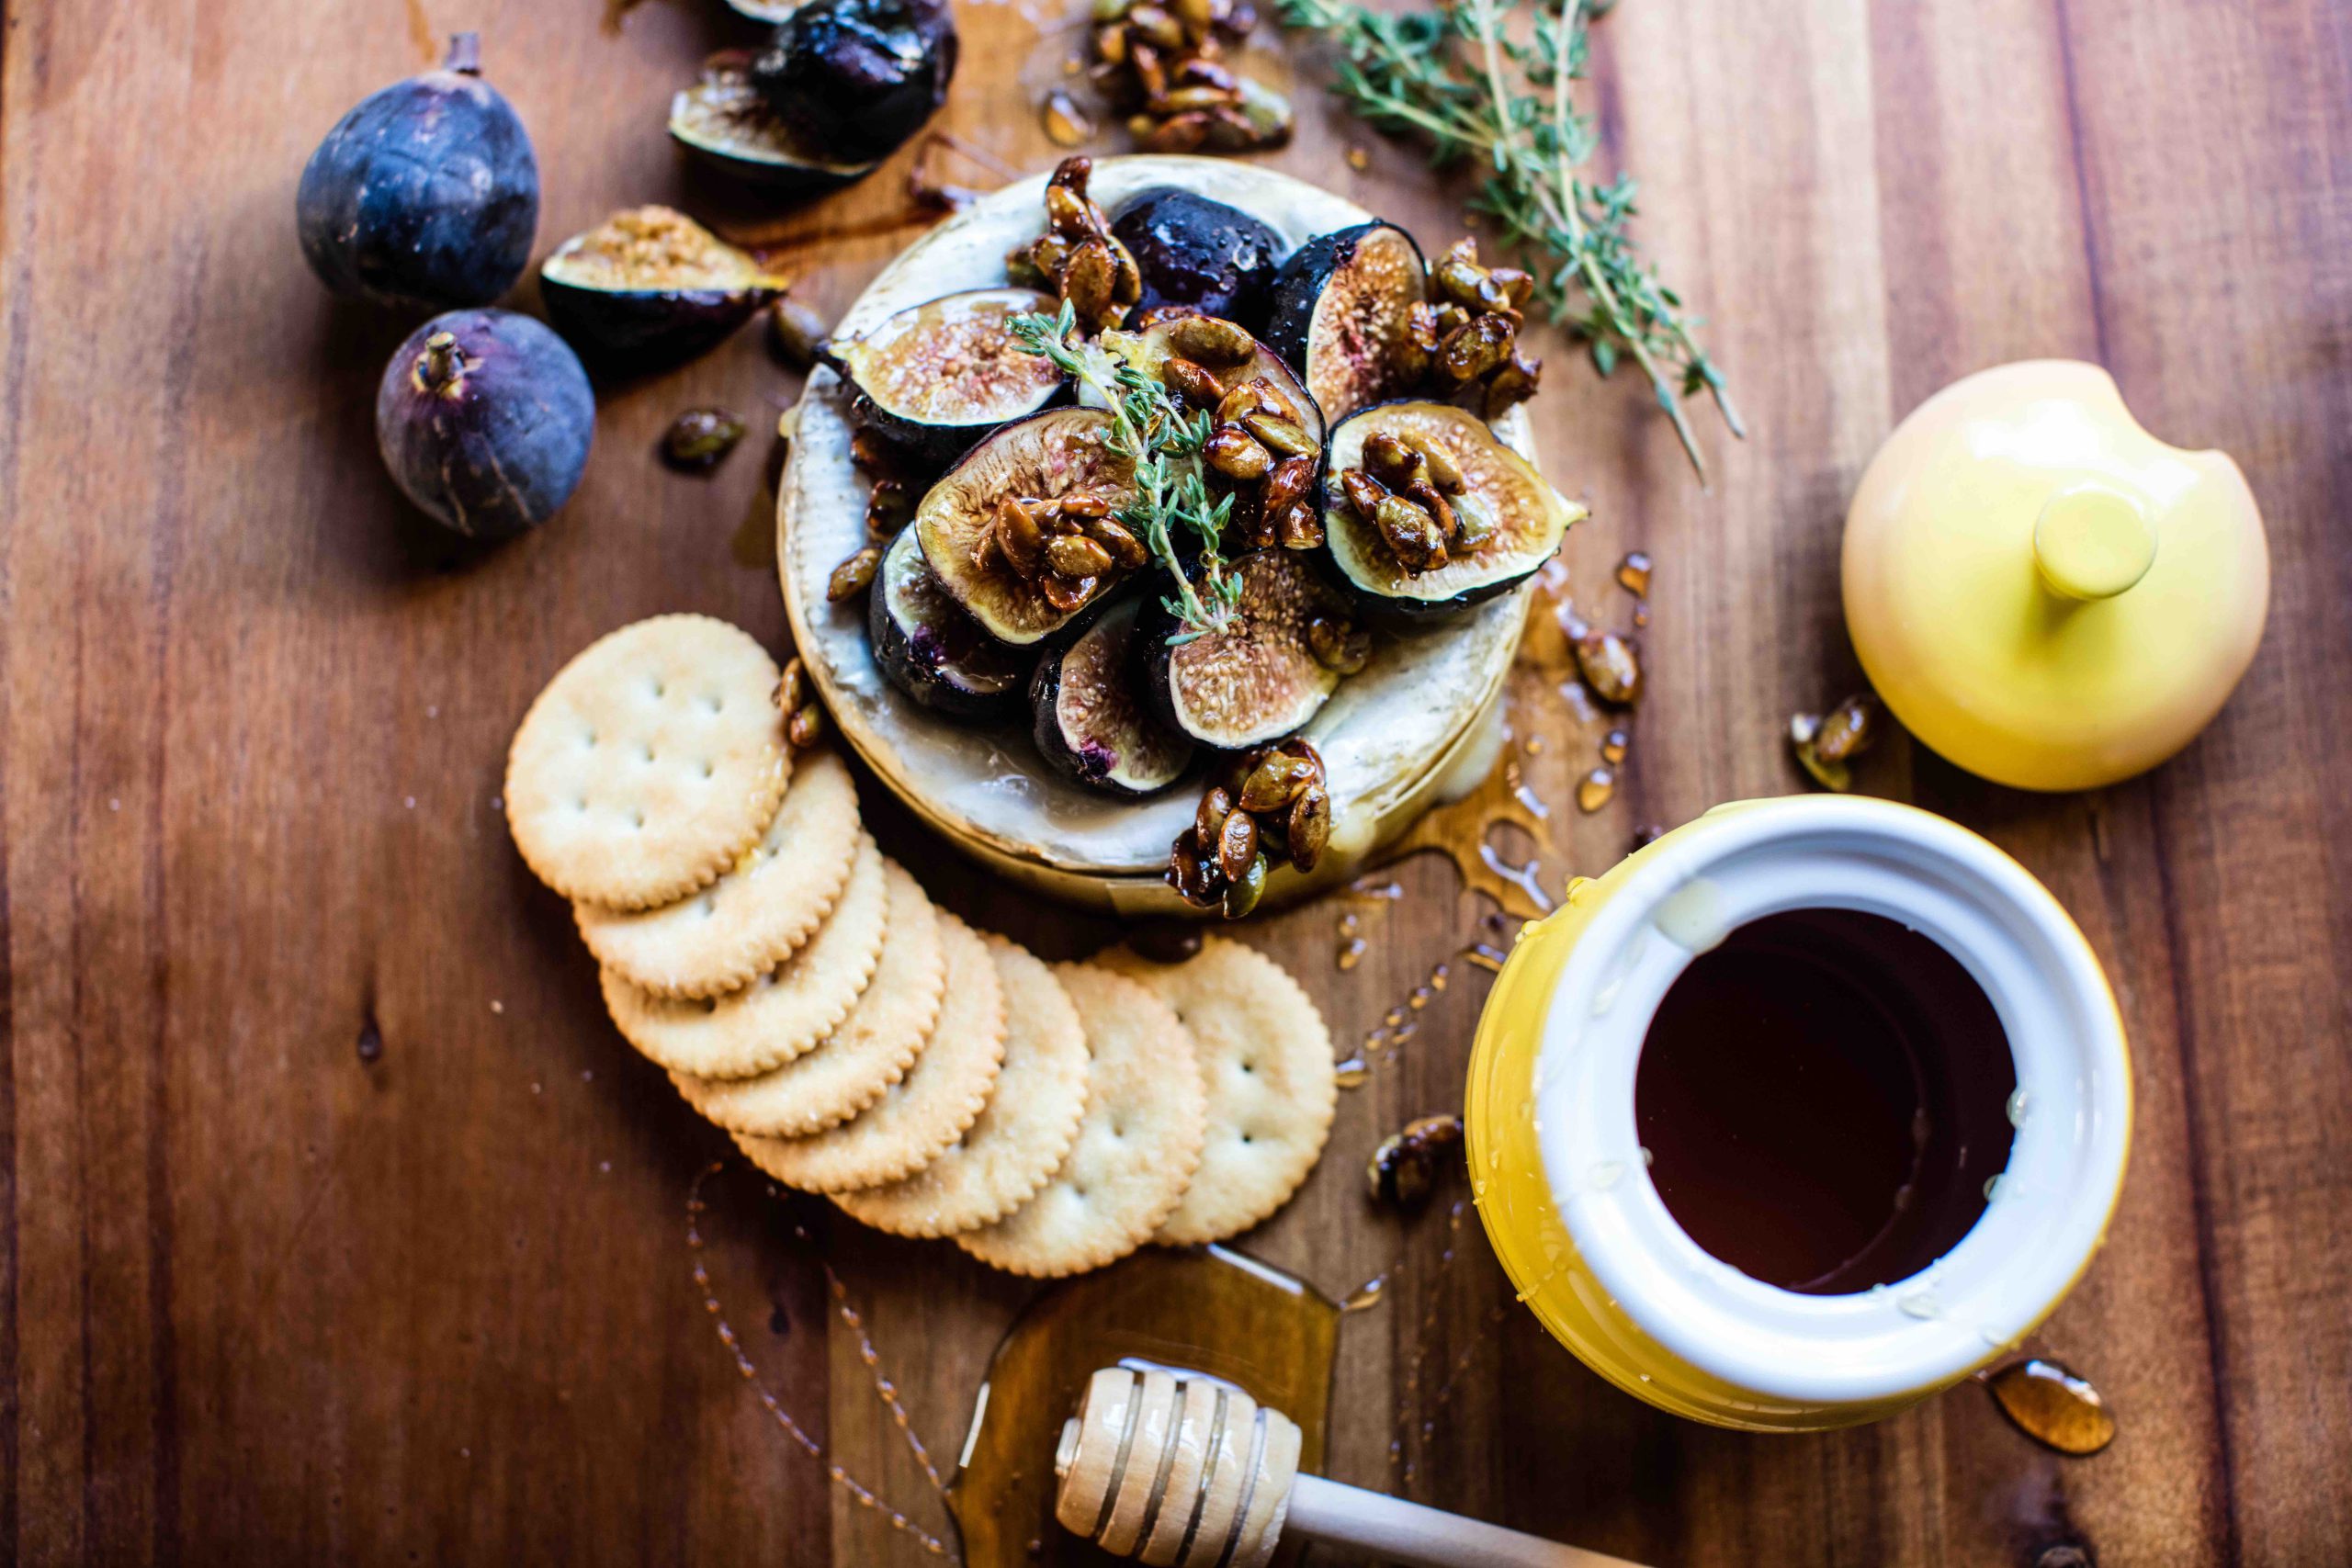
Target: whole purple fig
427,193
484,418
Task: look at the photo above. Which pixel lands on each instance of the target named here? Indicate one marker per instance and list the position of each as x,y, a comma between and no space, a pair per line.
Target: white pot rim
2065,1167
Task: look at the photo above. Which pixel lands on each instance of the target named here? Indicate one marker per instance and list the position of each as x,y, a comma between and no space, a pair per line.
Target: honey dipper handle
1406,1532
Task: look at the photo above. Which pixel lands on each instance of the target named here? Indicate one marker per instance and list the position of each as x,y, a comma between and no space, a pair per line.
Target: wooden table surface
339,1225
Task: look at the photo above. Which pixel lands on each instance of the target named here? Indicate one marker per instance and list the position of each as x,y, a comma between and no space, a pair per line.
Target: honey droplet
1365,1295
2049,1403
1595,789
1359,160
1634,573
1614,746
1066,124
1350,954
1351,1073
1641,615
1486,956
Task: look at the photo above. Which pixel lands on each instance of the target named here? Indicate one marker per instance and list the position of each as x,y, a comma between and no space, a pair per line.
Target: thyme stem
1151,433
1456,77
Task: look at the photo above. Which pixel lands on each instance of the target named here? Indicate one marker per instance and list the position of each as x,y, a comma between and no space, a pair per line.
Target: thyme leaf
1461,80
1163,443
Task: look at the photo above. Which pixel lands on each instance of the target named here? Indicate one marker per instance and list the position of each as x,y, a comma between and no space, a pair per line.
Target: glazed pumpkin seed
1237,845
1231,452
1611,667
1211,341
854,576
1074,555
1242,894
1195,384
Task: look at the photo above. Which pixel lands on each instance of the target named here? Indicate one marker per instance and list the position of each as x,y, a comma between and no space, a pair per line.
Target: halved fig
930,648
1343,316
1510,520
1091,721
935,377
1258,678
1059,456
725,122
1199,254
650,282
1151,349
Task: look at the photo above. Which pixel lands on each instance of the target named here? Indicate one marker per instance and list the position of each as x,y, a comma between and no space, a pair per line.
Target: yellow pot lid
2043,593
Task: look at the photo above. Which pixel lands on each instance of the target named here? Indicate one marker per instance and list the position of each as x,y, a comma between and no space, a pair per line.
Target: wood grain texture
266,1298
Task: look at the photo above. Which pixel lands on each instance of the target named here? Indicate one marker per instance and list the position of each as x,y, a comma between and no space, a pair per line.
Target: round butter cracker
749,921
1136,1151
1029,1124
924,1112
870,1050
779,1015
1267,1068
650,763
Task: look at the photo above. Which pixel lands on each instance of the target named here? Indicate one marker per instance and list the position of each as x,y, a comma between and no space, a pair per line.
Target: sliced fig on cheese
1091,722
1510,520
1009,585
931,648
936,378
1255,679
1180,335
1343,315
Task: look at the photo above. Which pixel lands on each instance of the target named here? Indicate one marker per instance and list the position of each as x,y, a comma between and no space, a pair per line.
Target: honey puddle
1204,1309
2049,1404
1549,679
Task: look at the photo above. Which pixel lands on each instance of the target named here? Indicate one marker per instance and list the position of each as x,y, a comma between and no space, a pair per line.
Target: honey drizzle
883,1387
864,1495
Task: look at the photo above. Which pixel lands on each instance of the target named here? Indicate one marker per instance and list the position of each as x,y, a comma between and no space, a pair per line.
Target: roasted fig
930,648
1259,678
935,377
1386,533
1343,315
725,122
1199,254
650,284
1091,721
1174,336
990,527
484,418
858,77
427,193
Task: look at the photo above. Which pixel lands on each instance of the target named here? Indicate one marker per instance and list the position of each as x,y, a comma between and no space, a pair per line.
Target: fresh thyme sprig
1456,77
1163,443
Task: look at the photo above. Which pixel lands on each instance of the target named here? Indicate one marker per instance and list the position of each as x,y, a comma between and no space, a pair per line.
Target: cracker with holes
649,764
1030,1120
870,1050
1266,1067
750,920
1136,1148
779,1015
923,1113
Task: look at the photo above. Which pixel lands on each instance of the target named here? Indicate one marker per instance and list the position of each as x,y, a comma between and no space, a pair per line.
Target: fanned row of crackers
856,1040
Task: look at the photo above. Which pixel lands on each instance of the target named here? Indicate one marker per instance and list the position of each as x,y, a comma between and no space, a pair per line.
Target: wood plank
268,1295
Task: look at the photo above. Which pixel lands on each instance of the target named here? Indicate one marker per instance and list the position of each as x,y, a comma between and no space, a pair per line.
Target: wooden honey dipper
1188,1471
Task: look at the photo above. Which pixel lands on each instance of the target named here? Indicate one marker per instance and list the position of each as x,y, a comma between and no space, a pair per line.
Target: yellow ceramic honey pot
2043,593
1561,1175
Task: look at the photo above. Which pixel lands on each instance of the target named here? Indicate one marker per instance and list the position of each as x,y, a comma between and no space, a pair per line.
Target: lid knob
2093,542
